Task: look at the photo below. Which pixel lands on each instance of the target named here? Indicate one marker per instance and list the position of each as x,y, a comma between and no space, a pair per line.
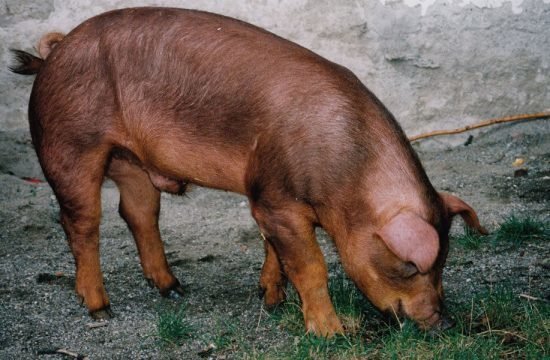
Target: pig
159,98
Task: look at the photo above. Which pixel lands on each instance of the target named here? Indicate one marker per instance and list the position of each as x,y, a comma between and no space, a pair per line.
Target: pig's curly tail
28,64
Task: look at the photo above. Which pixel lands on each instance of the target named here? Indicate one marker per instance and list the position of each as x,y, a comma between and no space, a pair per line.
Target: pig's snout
436,323
445,323
428,312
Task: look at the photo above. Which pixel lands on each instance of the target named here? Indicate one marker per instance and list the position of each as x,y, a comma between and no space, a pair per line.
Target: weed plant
172,326
514,232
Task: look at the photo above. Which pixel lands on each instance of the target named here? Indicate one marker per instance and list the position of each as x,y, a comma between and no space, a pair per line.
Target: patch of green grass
351,307
493,324
172,326
289,315
309,346
518,324
348,302
227,335
498,323
347,299
513,231
516,230
230,338
470,239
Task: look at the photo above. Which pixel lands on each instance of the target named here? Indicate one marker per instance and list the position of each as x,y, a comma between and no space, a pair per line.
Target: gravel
214,248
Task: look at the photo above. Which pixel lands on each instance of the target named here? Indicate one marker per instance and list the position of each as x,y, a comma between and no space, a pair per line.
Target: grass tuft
228,336
516,231
289,315
172,327
470,239
512,231
310,346
495,324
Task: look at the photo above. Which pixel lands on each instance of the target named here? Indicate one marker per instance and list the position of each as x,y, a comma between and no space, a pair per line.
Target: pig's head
399,265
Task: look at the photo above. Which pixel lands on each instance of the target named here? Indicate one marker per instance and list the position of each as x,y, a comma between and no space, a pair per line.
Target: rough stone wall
434,63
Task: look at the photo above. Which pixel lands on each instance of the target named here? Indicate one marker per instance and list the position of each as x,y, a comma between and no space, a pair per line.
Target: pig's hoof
261,292
326,326
174,292
102,314
272,295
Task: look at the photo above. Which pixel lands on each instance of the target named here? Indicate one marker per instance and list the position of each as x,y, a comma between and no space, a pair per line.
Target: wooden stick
541,115
98,324
71,354
503,332
529,297
63,352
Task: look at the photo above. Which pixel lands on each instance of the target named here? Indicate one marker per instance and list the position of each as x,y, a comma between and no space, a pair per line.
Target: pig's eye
408,269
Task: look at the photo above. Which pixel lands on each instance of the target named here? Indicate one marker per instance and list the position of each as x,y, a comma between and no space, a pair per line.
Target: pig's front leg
272,280
288,226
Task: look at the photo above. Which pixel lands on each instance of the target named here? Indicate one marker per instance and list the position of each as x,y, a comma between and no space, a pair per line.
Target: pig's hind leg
139,207
272,279
75,175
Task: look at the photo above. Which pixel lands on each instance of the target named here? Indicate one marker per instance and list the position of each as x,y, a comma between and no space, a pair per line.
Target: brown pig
157,98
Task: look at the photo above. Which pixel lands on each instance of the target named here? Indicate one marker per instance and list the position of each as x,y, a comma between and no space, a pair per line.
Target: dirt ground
214,248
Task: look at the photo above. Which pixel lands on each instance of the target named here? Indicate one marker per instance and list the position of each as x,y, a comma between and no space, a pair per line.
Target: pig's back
198,68
155,77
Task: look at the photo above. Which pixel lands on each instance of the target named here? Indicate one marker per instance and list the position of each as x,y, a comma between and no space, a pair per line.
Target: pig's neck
395,180
391,180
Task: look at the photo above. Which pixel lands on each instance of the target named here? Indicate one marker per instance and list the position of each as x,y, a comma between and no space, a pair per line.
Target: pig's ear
456,206
412,239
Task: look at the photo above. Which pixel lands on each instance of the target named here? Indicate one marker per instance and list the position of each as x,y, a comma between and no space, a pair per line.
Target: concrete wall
434,63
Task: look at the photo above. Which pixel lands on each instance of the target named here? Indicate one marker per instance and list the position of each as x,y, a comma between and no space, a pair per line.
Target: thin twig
72,354
511,352
529,297
471,317
63,352
541,115
397,317
97,324
262,310
504,332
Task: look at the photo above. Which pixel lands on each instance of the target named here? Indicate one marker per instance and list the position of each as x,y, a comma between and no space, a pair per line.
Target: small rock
545,264
207,258
208,351
521,172
46,278
518,162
